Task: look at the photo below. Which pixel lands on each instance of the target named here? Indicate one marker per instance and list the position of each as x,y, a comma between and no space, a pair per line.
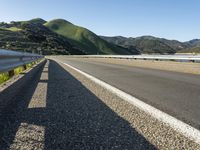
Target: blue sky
172,19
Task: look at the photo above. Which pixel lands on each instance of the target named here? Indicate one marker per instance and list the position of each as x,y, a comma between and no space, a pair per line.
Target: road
177,94
61,109
58,112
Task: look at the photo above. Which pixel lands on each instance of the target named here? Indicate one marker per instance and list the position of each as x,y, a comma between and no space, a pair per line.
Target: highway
177,94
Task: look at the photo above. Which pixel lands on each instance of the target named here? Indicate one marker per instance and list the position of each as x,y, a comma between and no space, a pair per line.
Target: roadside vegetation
5,76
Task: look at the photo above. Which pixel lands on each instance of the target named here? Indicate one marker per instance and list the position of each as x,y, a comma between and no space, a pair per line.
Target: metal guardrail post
11,73
25,67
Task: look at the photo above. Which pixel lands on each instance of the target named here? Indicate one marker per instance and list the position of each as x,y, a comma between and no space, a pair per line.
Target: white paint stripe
183,128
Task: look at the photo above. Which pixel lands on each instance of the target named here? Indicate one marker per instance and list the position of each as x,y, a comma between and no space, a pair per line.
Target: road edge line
179,126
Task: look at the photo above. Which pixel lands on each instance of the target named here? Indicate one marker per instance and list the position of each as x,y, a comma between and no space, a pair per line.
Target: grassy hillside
34,37
85,39
55,37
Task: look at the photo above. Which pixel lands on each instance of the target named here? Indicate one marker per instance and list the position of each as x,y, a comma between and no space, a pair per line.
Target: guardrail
180,58
9,60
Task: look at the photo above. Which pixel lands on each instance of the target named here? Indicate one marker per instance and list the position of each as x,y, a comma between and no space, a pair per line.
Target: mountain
194,42
85,39
148,44
195,49
62,37
32,36
37,21
32,21
18,24
55,37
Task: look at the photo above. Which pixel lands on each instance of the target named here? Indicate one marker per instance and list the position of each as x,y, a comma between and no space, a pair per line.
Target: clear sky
172,19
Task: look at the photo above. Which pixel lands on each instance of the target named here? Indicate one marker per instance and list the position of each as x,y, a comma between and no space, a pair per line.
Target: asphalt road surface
177,94
61,109
55,111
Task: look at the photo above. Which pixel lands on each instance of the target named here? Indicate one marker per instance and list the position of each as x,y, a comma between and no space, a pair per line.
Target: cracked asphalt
61,109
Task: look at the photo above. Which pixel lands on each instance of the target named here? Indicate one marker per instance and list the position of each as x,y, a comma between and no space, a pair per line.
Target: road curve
177,94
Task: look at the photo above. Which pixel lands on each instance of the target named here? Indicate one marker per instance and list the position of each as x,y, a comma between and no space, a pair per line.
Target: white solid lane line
181,127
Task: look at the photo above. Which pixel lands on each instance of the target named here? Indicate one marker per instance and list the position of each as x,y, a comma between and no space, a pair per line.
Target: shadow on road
74,118
12,116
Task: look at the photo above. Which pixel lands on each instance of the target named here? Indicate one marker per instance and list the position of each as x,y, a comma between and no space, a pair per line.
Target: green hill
55,37
86,40
34,37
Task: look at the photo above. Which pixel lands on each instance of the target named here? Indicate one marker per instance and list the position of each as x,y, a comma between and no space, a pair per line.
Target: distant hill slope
193,43
148,44
86,40
195,49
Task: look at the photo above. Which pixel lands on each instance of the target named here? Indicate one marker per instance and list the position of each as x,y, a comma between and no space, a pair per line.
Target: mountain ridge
52,34
59,36
151,44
